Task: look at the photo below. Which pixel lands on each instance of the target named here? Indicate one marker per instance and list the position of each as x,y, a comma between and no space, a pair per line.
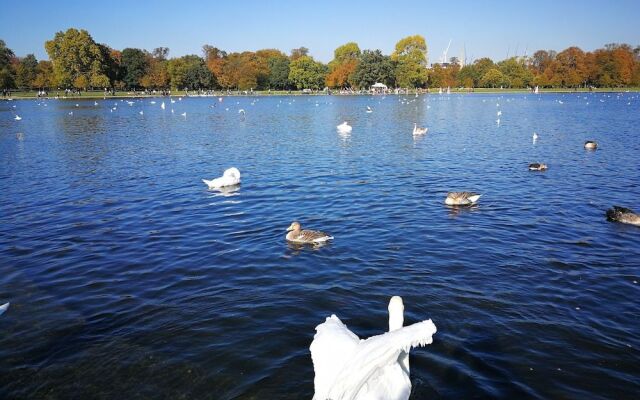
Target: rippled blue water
128,279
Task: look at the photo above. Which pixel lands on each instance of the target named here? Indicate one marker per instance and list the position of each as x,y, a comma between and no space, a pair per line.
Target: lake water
129,279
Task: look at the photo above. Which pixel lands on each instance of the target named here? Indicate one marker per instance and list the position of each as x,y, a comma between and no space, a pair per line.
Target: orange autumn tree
343,65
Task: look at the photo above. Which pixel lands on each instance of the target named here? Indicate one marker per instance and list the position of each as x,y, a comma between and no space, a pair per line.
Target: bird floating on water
18,118
344,127
4,308
499,113
419,131
298,235
95,103
230,177
535,137
623,215
347,367
241,111
141,112
590,145
537,167
369,110
162,105
462,198
184,114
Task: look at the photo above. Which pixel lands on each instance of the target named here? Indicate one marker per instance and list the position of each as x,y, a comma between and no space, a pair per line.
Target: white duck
419,131
344,127
230,177
4,308
347,367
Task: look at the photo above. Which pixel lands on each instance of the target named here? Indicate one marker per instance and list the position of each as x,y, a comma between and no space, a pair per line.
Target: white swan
4,308
376,368
344,127
419,131
230,177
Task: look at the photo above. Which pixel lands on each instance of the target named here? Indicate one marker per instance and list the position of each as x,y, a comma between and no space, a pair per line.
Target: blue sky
486,28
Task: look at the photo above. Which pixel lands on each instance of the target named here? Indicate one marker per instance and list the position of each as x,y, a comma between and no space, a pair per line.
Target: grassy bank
129,94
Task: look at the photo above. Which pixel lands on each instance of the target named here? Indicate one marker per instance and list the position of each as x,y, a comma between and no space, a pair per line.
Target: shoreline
264,93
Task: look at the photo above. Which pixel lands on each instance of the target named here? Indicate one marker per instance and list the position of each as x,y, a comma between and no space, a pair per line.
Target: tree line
76,61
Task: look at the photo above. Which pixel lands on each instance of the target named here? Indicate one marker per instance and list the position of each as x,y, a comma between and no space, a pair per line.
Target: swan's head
295,226
232,172
396,313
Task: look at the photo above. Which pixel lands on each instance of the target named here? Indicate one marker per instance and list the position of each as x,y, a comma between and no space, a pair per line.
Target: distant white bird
220,99
241,111
77,105
162,105
4,308
347,367
499,113
70,112
184,114
462,198
419,131
95,103
498,121
230,177
344,127
141,112
172,101
153,102
535,137
369,110
130,103
18,118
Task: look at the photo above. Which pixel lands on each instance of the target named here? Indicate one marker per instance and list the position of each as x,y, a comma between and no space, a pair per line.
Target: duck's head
396,313
295,226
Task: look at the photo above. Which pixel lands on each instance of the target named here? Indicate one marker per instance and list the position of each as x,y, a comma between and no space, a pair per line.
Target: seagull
184,114
18,118
141,112
95,103
419,131
153,102
535,137
162,105
369,110
499,113
70,112
347,367
4,308
498,121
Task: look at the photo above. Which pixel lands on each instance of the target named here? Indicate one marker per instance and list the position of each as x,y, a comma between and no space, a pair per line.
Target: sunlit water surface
128,279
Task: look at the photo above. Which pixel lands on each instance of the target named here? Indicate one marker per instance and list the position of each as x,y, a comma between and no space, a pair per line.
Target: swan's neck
396,321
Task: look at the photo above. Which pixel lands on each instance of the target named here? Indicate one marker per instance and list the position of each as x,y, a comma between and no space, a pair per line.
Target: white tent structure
379,88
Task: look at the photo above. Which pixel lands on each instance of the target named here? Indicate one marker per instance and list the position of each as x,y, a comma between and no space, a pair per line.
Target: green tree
306,73
76,58
7,75
134,64
515,72
374,67
44,75
411,57
26,72
493,78
189,72
278,72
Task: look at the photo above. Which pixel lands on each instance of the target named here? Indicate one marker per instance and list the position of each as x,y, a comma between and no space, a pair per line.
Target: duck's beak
290,228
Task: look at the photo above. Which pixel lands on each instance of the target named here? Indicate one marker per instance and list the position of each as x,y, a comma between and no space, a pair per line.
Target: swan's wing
376,353
332,346
4,308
